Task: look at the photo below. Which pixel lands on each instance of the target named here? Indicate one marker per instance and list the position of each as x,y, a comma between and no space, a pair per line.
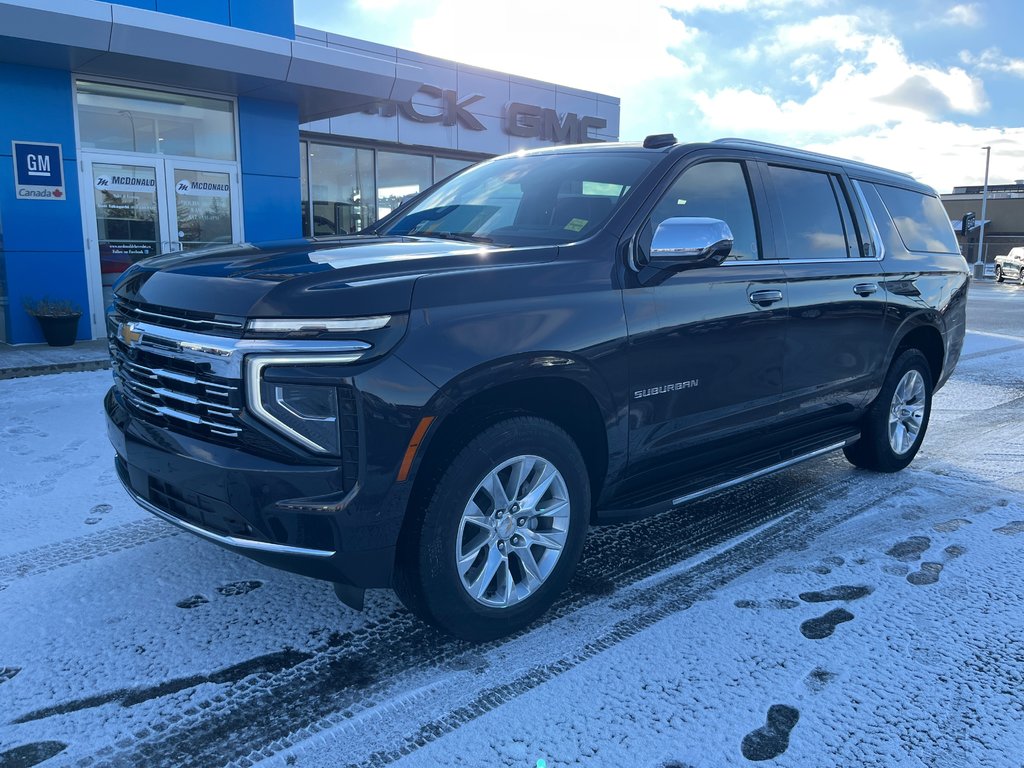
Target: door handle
765,298
865,289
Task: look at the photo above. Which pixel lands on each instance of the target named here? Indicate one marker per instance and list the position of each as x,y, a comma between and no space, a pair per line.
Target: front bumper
289,516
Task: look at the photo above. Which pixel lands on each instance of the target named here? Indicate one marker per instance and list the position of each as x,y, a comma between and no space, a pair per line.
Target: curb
48,368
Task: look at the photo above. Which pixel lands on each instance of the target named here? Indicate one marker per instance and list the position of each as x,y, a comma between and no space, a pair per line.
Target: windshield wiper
462,237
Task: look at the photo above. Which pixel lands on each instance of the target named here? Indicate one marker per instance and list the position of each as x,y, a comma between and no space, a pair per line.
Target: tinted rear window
920,219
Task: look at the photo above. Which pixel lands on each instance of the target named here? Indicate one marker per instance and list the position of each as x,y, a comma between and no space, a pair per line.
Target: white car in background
1011,265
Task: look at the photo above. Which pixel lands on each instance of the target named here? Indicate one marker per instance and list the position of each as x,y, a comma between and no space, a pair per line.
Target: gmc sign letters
526,120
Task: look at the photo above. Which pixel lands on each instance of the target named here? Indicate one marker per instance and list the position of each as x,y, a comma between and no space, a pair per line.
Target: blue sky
917,86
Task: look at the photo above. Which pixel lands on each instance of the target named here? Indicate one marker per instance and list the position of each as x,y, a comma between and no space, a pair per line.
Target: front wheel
896,422
501,534
999,274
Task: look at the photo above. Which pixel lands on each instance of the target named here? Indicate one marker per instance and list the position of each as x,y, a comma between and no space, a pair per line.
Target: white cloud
993,60
875,87
963,15
942,154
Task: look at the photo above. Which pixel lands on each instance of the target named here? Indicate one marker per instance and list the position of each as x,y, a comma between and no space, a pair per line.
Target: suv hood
346,277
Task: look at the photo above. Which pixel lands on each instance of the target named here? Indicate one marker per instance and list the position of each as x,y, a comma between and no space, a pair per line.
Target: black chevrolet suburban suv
444,403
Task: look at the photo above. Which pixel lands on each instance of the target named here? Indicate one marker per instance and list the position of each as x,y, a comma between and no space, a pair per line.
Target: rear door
705,344
835,340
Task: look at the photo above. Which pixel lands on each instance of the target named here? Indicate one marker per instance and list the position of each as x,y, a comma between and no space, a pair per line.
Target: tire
999,274
883,445
511,569
1020,276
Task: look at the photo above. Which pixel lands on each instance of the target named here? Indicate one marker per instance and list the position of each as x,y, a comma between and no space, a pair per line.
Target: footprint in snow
818,678
843,592
192,602
1011,529
824,626
928,573
6,673
239,588
911,549
771,739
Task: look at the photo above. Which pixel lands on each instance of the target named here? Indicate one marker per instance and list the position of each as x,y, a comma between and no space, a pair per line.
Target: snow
123,641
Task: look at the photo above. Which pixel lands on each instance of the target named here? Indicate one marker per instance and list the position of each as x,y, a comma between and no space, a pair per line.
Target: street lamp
979,264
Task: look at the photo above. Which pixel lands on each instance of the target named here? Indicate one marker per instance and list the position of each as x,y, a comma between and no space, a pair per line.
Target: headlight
315,327
308,414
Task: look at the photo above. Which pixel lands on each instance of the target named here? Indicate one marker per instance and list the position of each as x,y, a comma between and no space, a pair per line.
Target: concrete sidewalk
38,359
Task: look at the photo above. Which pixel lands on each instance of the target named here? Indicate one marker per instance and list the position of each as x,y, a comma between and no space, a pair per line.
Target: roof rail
808,153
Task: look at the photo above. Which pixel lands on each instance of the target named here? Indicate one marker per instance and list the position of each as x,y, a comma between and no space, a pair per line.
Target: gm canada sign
38,171
519,119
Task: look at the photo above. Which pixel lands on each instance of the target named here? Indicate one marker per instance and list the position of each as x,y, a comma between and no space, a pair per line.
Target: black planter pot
59,331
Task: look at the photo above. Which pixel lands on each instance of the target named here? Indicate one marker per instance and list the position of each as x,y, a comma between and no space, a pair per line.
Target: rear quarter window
920,219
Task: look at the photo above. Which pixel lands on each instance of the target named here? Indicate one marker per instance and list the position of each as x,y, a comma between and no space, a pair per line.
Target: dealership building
142,126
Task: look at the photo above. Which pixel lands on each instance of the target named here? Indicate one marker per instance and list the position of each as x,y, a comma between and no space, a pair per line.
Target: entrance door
137,206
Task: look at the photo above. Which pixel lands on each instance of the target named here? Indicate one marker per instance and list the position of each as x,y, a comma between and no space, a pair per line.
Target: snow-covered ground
820,617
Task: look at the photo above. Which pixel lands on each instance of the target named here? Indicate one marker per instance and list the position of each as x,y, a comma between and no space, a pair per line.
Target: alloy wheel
906,413
512,531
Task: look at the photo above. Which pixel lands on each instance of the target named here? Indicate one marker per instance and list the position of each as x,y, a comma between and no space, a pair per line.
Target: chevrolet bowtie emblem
129,334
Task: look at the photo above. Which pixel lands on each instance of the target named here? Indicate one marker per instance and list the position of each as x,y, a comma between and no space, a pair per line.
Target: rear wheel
501,534
896,422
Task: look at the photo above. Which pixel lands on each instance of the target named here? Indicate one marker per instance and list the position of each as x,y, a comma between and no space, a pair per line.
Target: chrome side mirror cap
683,241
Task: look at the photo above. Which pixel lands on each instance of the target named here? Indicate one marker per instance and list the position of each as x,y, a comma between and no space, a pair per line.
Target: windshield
525,200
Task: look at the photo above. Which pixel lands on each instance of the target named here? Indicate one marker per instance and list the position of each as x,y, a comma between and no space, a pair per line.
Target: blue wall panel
204,10
42,239
35,274
269,136
272,209
274,17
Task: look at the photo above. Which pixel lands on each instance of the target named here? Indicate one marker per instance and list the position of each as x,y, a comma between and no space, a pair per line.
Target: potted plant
57,319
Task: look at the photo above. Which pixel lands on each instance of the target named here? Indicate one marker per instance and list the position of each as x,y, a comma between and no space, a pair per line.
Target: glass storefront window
446,166
127,119
342,189
202,202
400,176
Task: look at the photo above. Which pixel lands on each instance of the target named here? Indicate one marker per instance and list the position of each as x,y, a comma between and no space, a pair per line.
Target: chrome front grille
178,318
164,387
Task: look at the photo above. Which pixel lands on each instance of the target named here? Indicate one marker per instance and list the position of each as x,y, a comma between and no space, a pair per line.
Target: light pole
979,264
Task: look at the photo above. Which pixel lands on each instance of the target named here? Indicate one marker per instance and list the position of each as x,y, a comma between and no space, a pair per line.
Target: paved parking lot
821,616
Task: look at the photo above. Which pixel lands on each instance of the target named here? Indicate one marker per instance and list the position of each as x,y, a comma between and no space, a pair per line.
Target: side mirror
686,241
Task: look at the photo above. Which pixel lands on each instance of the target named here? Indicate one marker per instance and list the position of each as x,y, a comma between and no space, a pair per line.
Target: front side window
544,199
813,219
717,190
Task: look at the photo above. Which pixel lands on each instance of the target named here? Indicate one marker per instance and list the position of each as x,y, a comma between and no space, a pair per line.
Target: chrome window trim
254,365
847,260
231,541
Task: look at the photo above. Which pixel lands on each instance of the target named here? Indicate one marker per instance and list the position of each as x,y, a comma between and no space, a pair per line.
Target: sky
915,86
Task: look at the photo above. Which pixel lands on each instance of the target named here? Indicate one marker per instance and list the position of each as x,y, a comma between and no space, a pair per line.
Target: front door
706,344
136,206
